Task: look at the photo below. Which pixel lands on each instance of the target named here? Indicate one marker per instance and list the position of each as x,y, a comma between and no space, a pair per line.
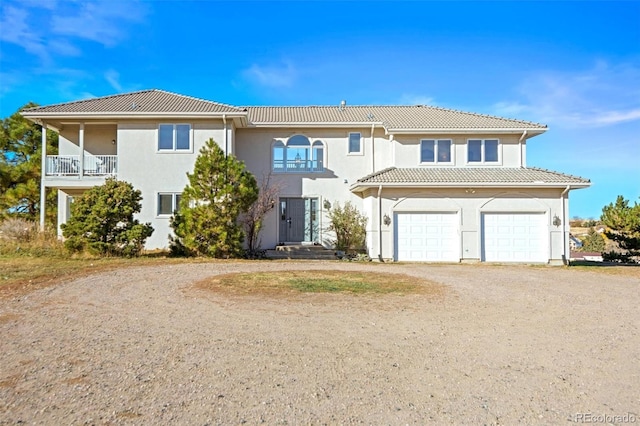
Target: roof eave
362,186
530,130
269,124
110,116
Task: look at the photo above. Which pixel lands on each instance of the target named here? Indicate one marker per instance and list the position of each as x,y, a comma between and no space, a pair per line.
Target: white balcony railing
69,165
293,166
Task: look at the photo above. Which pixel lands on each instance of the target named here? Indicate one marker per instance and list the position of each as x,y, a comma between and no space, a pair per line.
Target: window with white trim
168,203
435,151
482,151
174,137
355,143
298,155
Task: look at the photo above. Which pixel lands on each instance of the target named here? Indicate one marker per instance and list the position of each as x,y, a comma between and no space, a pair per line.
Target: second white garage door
514,237
427,237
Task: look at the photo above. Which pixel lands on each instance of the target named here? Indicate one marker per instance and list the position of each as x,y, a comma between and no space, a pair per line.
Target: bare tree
252,219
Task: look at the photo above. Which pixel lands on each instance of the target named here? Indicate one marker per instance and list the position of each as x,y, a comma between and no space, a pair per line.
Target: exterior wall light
386,220
556,221
326,205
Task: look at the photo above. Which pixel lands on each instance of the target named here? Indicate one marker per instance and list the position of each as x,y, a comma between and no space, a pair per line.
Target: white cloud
16,30
45,27
283,75
602,96
102,22
113,78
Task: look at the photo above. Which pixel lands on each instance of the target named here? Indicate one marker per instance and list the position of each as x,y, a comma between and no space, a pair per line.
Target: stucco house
436,184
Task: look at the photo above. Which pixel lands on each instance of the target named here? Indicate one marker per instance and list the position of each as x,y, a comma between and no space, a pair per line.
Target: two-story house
436,184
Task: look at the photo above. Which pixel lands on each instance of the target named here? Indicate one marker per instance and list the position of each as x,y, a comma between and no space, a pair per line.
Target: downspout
520,147
373,150
43,165
380,224
226,143
565,258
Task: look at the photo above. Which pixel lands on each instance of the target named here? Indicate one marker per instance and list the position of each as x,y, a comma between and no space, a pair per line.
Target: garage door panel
514,237
427,237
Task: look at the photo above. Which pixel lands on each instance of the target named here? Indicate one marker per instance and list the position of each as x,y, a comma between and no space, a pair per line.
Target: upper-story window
174,137
355,143
482,151
298,155
435,151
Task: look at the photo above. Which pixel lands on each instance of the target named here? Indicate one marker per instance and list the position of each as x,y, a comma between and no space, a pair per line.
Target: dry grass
608,269
19,275
295,282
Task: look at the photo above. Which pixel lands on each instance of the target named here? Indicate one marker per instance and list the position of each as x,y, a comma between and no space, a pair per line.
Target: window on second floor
482,151
298,155
174,137
168,203
355,143
435,151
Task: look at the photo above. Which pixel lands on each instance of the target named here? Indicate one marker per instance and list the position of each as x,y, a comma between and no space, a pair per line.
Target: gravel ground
505,344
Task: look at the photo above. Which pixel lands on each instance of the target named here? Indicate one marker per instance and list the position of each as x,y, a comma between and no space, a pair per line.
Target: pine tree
593,242
20,163
624,224
219,190
102,221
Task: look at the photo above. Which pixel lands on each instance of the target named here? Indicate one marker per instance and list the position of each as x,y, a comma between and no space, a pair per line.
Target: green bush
102,221
350,227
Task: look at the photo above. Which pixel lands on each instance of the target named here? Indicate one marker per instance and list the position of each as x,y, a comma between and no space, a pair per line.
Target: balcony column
43,191
81,142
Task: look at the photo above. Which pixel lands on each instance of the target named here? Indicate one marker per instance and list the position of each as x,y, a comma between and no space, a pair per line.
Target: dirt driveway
144,346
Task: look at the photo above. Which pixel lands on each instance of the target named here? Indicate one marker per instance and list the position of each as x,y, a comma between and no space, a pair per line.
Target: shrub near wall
102,221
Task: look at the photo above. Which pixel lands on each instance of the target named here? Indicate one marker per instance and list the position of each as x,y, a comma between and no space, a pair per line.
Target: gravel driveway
145,346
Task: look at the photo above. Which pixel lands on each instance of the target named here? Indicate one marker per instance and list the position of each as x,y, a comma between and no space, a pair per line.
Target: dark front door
298,220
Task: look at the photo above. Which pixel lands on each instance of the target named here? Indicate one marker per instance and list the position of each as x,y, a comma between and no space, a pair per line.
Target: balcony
69,165
298,165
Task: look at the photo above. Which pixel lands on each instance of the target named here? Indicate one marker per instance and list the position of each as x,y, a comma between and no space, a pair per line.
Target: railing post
81,141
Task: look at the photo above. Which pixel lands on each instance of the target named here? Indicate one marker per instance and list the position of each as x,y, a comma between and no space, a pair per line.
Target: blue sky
574,66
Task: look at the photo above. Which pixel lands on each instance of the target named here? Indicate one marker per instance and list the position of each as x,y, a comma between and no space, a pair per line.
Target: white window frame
174,147
482,151
174,203
360,144
436,152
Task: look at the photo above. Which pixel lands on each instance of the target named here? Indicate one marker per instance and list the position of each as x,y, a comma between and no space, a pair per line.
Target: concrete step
301,252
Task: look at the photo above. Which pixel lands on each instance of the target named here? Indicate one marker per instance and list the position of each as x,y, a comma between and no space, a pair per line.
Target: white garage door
427,237
514,237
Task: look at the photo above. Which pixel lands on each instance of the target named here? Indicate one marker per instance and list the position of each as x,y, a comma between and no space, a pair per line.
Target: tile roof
145,101
392,117
496,176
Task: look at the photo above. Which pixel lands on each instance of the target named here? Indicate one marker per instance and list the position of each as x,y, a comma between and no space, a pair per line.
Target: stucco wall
152,172
469,207
254,147
97,139
406,150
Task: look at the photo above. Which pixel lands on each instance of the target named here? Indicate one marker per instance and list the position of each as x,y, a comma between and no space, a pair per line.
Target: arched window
298,155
